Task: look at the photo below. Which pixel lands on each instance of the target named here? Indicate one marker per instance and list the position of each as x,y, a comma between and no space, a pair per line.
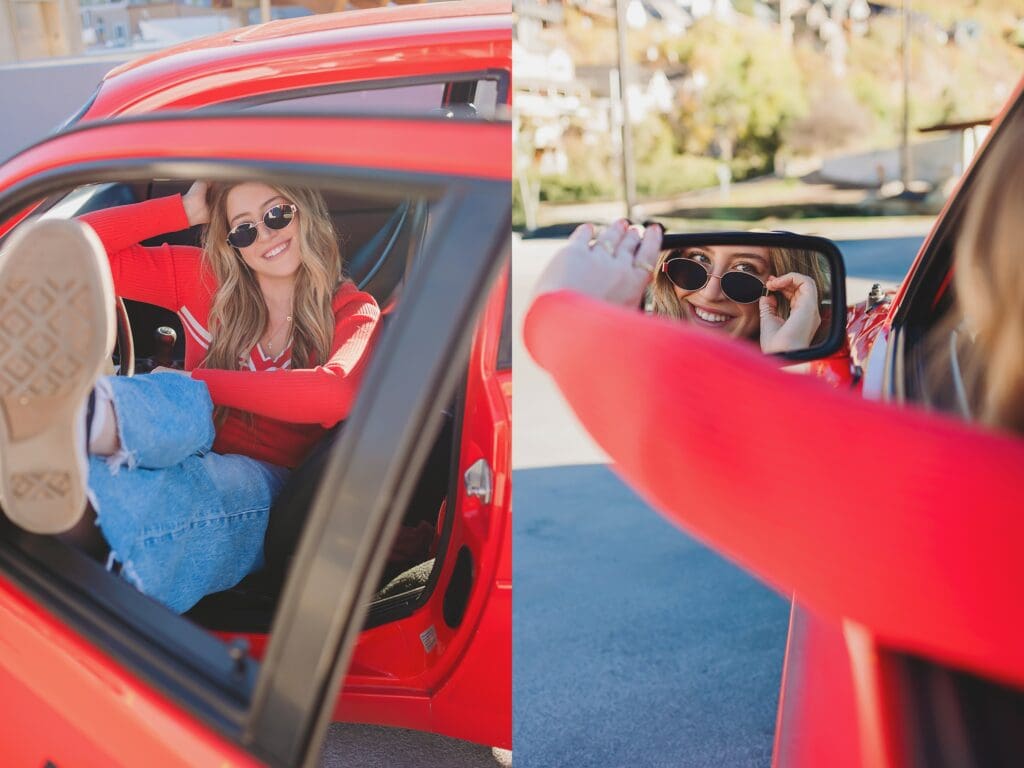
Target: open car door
118,679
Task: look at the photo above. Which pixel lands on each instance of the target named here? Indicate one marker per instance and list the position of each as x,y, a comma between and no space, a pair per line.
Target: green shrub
571,188
675,174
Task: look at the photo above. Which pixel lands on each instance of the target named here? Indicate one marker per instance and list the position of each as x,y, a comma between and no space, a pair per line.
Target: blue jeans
183,522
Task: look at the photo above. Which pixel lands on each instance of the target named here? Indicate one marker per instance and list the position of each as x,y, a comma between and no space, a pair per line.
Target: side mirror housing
784,291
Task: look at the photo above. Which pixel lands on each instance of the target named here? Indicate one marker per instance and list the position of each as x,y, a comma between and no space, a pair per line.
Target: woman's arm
907,523
320,395
159,275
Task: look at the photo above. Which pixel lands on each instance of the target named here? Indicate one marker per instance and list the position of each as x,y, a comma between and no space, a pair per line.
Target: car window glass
413,99
486,100
378,98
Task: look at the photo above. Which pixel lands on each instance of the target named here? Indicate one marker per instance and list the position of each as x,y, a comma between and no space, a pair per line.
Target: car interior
937,340
379,240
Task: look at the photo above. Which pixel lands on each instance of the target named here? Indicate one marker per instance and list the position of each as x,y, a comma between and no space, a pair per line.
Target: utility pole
906,171
786,9
628,177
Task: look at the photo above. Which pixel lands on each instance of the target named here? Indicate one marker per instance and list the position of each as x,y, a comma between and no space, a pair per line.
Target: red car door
117,679
458,661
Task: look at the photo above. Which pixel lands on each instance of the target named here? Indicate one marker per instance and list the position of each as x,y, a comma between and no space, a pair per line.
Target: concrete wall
39,96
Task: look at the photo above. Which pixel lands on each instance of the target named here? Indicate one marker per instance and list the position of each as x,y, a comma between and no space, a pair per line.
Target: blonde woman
183,466
772,295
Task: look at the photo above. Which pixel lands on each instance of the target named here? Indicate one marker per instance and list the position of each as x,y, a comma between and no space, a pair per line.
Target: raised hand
196,207
796,331
616,266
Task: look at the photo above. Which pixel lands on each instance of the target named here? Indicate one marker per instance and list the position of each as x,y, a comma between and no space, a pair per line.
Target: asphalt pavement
367,746
634,645
885,259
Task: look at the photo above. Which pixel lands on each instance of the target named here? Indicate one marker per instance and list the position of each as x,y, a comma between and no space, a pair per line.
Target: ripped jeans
182,522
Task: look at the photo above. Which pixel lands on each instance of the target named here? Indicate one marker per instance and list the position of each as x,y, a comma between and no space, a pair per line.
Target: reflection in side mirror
777,290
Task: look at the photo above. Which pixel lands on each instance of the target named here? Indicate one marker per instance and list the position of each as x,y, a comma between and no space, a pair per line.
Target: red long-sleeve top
291,408
904,522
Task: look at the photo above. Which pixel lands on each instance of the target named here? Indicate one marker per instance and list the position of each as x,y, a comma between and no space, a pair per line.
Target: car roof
395,42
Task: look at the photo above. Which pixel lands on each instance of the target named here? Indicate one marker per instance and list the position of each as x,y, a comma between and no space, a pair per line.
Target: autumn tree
742,88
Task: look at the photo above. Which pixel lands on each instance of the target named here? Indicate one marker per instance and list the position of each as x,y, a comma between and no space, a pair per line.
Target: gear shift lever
164,339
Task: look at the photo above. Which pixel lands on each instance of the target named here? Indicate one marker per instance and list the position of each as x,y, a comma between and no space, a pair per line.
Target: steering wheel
125,344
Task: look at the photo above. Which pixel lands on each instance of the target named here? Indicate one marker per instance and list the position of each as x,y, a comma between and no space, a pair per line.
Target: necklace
270,339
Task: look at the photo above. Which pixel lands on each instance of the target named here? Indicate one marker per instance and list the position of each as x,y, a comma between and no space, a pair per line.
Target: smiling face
709,307
277,253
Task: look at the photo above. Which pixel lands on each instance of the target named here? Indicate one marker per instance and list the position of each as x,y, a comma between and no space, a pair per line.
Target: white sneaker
56,334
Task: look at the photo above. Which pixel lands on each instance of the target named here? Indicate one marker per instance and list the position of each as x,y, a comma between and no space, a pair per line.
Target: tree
742,90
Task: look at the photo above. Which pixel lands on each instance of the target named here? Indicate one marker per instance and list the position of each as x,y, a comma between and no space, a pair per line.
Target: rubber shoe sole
56,335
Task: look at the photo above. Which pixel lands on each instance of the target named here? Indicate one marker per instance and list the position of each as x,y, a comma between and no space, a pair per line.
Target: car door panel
460,705
453,673
817,716
69,703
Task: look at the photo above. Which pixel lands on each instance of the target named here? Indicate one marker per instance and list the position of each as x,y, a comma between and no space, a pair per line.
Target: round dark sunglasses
689,275
278,217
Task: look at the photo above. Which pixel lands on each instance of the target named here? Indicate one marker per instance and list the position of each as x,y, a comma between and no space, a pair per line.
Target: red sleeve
160,275
321,395
907,523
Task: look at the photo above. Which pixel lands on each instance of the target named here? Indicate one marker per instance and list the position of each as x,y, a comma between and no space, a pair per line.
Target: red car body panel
408,42
835,370
449,149
864,322
461,685
66,702
817,717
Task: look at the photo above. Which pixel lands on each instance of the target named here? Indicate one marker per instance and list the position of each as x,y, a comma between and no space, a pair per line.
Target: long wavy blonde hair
664,301
988,276
239,314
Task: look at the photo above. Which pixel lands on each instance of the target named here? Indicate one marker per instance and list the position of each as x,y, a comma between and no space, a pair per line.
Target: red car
387,597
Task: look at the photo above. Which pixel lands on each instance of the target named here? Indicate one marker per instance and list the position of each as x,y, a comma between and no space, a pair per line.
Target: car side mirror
782,291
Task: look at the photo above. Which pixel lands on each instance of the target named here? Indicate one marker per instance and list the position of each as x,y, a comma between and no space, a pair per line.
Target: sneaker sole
56,333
